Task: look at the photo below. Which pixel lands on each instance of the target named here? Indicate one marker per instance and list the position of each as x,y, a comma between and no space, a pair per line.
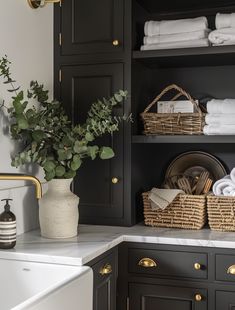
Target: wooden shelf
183,139
196,56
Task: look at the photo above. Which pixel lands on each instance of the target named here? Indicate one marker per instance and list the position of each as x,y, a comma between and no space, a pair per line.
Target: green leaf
62,154
92,150
60,171
69,174
49,166
89,137
38,135
49,175
22,122
75,165
106,153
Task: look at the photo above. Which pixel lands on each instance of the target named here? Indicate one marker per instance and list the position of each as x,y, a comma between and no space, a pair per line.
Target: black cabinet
162,297
89,27
105,277
99,184
225,300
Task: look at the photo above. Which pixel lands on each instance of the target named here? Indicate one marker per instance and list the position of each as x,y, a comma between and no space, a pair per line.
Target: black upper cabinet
89,27
101,199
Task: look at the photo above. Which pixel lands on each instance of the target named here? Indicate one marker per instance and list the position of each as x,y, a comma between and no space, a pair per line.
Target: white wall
26,37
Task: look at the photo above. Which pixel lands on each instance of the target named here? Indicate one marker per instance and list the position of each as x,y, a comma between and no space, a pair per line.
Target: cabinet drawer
225,268
168,263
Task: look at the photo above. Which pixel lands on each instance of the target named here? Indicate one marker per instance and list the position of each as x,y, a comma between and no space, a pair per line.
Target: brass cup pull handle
115,42
106,269
198,297
197,266
115,180
147,263
231,270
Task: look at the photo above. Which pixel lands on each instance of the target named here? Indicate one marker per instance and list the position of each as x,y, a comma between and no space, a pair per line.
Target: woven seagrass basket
173,123
186,211
221,213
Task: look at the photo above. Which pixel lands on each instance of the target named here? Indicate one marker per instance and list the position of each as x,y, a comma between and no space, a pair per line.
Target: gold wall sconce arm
35,4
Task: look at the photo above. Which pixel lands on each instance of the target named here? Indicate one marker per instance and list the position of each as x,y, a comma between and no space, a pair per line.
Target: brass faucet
14,176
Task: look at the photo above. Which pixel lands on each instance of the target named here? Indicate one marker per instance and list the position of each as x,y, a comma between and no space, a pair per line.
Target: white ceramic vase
58,210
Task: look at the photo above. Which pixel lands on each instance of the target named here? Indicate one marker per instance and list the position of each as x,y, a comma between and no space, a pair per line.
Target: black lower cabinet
225,300
105,278
160,297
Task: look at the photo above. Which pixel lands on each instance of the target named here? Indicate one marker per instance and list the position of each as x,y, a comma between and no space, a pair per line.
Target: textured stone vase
58,210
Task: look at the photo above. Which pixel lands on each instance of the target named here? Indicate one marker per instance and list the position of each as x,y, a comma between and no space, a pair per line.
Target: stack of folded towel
166,34
220,119
225,186
225,30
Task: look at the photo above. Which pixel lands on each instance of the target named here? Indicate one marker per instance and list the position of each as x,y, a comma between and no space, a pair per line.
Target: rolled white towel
223,36
228,191
232,175
177,37
217,106
172,45
225,20
220,119
211,130
220,185
152,28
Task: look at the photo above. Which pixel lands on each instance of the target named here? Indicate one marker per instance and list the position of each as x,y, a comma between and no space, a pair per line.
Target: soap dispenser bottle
7,227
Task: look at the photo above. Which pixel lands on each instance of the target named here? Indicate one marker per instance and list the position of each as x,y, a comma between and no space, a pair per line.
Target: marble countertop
93,241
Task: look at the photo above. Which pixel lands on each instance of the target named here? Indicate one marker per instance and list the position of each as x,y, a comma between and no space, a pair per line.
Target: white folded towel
211,130
225,186
225,20
232,175
172,45
222,36
152,28
162,198
177,37
224,106
220,119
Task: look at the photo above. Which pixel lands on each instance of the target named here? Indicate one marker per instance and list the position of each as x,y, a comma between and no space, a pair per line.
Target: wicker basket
186,211
221,213
173,123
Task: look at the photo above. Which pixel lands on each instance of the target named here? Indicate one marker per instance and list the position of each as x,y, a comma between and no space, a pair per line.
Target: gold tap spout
22,177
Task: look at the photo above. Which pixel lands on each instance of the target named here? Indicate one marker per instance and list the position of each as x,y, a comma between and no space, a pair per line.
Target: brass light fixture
35,4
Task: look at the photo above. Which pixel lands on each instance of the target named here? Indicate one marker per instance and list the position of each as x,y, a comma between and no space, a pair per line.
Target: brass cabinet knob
106,269
115,180
198,297
231,270
115,42
197,266
147,263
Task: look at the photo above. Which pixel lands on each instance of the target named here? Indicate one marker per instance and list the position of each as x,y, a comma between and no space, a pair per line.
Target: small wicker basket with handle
173,123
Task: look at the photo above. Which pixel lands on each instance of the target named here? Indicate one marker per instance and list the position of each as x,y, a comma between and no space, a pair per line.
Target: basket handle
181,93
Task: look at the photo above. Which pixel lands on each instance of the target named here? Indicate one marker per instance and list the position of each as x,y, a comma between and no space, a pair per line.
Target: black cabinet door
225,300
101,201
152,297
90,26
105,276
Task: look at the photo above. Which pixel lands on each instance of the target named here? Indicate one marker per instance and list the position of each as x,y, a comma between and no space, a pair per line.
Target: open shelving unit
183,139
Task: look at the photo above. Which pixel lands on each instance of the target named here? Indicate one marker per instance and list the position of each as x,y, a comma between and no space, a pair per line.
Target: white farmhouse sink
39,286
